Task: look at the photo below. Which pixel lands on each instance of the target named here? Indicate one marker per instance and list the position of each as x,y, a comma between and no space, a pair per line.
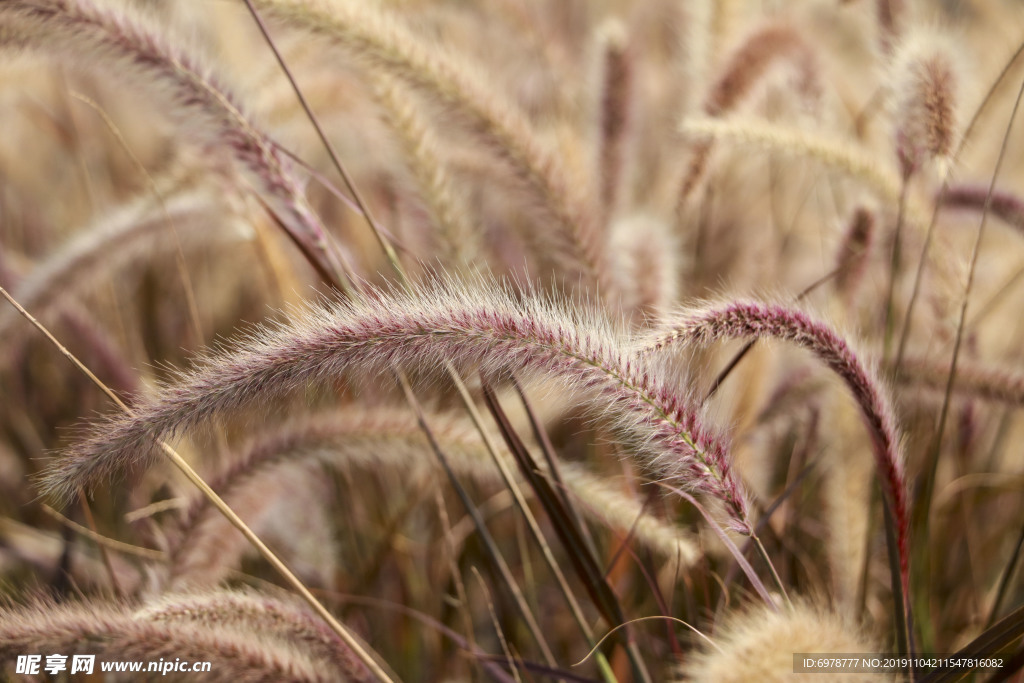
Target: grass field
516,340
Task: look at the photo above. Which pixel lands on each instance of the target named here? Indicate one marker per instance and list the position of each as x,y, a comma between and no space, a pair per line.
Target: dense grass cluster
511,340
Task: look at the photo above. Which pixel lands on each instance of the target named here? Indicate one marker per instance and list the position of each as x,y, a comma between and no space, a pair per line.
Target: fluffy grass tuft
759,644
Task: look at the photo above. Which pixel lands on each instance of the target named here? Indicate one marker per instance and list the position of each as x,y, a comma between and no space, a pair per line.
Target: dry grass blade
571,536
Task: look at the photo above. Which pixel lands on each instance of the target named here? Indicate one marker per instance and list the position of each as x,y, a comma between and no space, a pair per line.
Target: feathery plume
117,240
891,17
458,242
614,112
853,160
646,260
924,84
742,319
759,644
251,612
848,481
752,60
480,326
604,500
1005,205
748,64
111,631
204,554
206,111
696,24
855,251
381,42
987,382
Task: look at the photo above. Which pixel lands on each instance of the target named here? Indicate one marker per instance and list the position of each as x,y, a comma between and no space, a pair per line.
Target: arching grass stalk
469,326
186,469
742,319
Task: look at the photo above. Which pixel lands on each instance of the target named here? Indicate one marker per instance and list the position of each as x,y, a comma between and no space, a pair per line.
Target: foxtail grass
450,324
742,319
384,44
112,631
203,106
